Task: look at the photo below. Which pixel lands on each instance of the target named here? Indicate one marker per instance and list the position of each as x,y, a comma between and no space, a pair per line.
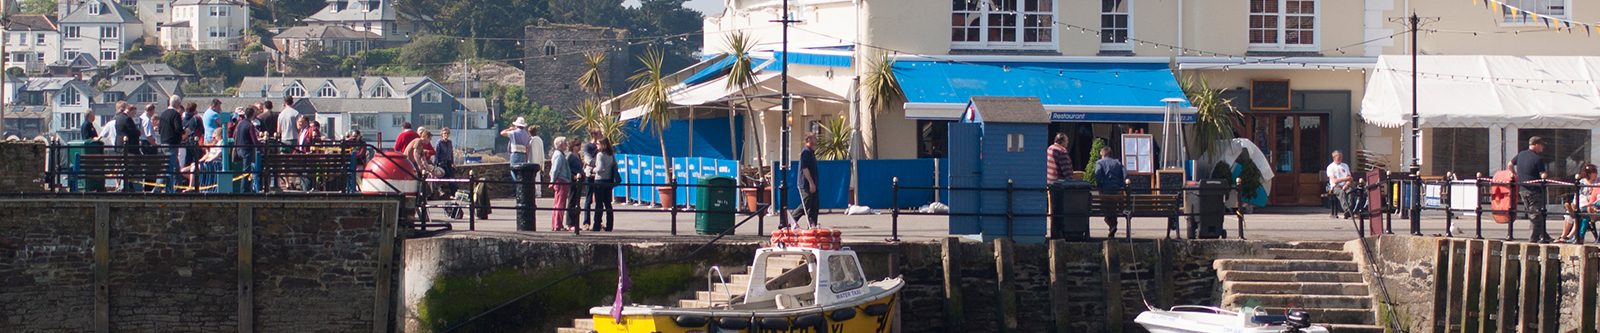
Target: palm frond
586,115
740,76
834,141
592,80
1214,115
651,90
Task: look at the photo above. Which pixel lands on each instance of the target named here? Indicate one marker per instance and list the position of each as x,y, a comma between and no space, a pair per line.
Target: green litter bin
79,182
715,205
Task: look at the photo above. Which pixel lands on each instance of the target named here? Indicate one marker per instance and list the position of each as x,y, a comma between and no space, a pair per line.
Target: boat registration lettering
848,294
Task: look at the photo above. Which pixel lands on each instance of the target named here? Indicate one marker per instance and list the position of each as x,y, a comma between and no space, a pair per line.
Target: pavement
656,224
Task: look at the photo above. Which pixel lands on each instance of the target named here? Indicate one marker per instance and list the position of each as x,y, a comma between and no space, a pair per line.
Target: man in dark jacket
127,131
169,130
86,130
1110,176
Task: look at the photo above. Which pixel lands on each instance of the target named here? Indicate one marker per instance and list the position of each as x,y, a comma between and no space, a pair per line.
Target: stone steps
1271,265
1331,315
1337,246
1255,276
1309,254
1297,301
1301,288
1353,328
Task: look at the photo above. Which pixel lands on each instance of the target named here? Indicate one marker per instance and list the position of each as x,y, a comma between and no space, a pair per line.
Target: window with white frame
38,56
1550,8
364,121
69,120
217,32
328,91
295,90
1022,24
110,32
109,54
432,97
380,92
148,97
219,11
69,96
72,31
69,54
1283,25
434,121
161,8
96,8
398,119
19,56
1115,25
38,39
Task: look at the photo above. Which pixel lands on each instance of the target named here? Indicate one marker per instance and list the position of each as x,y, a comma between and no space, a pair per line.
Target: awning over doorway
763,93
1483,91
1070,91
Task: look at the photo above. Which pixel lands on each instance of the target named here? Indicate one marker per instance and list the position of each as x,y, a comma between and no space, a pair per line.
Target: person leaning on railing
1582,203
246,138
212,161
605,176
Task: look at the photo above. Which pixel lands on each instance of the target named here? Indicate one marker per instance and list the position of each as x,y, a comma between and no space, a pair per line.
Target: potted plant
651,91
756,196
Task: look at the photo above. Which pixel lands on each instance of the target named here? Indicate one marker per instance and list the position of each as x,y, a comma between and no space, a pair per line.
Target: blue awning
710,72
1070,91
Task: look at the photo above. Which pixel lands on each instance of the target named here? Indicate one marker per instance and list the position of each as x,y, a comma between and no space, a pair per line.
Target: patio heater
1173,152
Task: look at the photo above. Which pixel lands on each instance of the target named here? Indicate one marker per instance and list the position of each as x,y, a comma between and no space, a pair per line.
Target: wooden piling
1510,287
1058,286
1472,287
954,315
1441,271
1489,298
1454,287
1113,287
1164,279
1590,264
1550,288
1004,276
1528,293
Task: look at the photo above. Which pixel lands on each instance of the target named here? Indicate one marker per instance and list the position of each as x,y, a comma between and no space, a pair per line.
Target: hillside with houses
357,65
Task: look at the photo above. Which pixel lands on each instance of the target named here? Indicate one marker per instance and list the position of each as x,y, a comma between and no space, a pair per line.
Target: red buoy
390,172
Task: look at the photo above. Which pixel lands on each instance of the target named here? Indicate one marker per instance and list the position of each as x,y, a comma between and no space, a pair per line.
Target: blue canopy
1079,91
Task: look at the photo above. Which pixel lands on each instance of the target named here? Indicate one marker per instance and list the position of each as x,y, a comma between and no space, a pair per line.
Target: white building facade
32,42
101,29
205,25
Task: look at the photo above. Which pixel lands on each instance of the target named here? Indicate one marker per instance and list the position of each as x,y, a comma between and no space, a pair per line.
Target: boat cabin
795,277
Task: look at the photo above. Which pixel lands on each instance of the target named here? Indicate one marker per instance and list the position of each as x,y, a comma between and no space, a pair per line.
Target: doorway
1297,147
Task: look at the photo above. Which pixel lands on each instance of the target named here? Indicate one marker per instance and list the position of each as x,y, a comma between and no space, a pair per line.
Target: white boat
1205,319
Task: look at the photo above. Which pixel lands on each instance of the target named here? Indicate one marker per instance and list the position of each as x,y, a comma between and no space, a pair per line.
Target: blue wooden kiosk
999,142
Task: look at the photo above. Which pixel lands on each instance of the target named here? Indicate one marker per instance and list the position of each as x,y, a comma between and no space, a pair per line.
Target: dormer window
328,91
338,6
380,92
433,96
295,90
69,96
97,8
374,5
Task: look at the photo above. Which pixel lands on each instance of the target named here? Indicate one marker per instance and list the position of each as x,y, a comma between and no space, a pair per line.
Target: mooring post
894,209
954,315
1010,215
1477,210
1004,279
1058,286
1113,286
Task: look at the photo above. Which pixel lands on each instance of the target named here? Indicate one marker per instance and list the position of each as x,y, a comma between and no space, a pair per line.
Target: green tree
834,141
550,122
883,92
650,90
1214,116
428,49
46,7
1094,156
741,76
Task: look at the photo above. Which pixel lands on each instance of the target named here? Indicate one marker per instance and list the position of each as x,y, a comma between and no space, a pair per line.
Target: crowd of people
194,139
581,175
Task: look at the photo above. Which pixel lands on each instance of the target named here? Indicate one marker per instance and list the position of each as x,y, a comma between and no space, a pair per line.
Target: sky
704,6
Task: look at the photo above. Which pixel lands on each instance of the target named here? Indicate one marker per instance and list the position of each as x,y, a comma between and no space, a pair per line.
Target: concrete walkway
1274,223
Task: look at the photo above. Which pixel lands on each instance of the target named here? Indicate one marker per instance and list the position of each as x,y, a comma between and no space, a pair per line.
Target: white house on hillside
31,42
205,25
64,101
99,28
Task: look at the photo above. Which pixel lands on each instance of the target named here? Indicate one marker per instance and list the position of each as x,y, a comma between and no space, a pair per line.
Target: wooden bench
135,168
323,168
1127,207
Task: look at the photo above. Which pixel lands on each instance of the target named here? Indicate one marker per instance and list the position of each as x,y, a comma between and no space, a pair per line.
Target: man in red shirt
405,137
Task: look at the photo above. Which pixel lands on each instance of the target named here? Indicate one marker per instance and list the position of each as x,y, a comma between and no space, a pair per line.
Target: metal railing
1584,216
1124,211
672,209
245,169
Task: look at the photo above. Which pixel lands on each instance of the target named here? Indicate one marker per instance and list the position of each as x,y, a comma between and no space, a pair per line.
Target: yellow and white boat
801,289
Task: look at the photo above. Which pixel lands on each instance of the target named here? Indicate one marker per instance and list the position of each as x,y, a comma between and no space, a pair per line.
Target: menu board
1170,181
1136,153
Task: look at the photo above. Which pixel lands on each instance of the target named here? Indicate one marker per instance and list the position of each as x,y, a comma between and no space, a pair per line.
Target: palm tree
650,91
1214,116
741,76
587,116
593,79
882,90
834,142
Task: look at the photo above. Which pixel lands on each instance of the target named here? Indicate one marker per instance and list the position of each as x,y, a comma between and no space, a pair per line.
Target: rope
189,188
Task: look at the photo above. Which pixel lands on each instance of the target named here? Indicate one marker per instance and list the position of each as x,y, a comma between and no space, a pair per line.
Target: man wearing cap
1530,166
519,140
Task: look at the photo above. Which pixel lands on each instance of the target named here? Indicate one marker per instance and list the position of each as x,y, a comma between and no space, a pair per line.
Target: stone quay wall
951,286
1455,284
200,264
21,166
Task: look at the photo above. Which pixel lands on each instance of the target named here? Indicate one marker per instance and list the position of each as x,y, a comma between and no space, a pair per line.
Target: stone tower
555,59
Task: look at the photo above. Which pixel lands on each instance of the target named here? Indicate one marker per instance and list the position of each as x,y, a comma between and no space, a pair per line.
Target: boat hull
665,323
1159,321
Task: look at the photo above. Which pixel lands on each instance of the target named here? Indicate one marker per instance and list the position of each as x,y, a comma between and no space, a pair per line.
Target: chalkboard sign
1269,95
1170,181
1139,183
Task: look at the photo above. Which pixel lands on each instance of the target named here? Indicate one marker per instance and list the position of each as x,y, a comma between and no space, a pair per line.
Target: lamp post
783,166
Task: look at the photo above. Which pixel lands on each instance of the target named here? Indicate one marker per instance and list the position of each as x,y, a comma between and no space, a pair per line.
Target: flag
623,283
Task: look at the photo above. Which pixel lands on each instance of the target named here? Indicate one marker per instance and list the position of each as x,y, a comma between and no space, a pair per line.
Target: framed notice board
1136,154
1170,181
1269,95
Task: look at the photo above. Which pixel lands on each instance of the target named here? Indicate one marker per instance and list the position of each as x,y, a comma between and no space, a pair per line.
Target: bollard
1478,208
525,199
1416,202
1543,227
672,207
894,209
1511,233
1444,199
1010,189
472,202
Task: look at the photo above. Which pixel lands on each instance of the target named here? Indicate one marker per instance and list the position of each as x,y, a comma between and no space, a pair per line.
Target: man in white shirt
1339,181
536,156
287,132
147,129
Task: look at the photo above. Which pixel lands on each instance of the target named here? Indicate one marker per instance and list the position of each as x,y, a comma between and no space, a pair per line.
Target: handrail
711,289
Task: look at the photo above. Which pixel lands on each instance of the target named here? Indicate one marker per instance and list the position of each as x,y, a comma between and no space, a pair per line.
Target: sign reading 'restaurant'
1112,117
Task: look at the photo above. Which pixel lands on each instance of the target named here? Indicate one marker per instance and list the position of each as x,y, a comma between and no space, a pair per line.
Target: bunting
1515,13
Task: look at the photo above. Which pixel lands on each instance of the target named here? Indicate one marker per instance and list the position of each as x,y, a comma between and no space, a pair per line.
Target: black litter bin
1070,203
525,199
715,205
1208,209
